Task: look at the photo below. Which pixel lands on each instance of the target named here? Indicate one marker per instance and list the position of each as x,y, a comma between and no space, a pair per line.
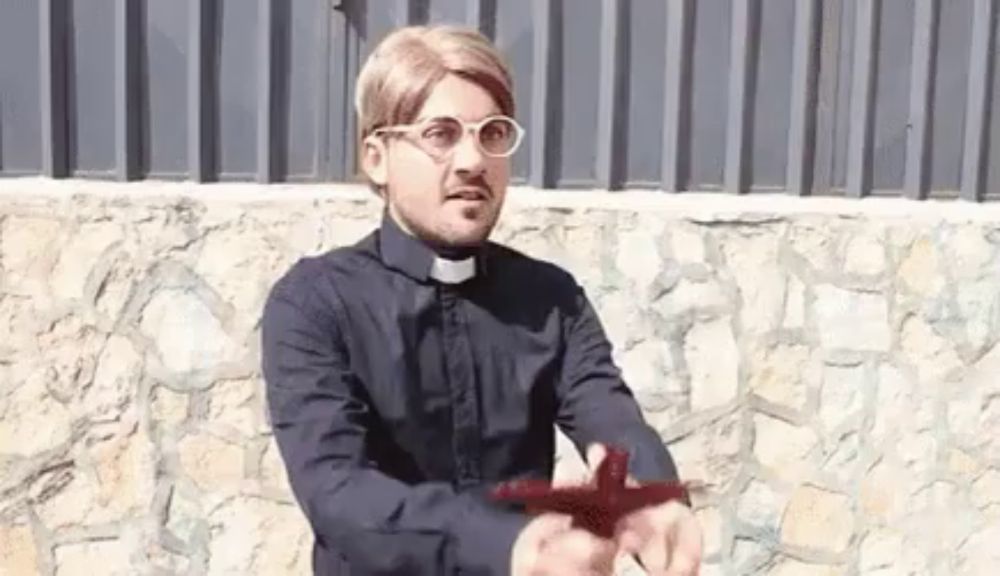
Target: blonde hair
401,72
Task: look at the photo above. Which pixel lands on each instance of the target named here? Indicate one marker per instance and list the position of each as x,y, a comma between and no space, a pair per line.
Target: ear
375,160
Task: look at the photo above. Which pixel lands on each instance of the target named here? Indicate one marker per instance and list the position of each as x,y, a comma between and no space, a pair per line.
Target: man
408,374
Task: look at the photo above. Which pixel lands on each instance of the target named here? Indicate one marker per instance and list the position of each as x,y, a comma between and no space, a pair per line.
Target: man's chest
434,351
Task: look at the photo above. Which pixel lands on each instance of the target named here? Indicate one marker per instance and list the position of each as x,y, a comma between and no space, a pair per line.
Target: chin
467,235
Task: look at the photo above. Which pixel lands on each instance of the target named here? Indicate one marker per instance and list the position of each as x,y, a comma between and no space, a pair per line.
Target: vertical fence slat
543,89
801,132
325,74
741,91
826,96
481,14
918,149
676,105
859,161
978,105
474,13
265,91
612,83
127,113
411,12
53,77
200,90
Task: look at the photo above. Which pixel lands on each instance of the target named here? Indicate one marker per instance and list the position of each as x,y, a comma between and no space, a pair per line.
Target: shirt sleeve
322,422
596,405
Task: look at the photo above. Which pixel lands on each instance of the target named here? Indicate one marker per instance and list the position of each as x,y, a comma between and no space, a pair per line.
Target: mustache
476,182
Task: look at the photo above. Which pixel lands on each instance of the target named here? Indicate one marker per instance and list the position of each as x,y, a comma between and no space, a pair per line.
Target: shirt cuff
486,539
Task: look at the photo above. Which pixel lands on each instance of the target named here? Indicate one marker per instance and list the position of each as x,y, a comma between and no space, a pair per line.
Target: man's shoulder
531,270
326,269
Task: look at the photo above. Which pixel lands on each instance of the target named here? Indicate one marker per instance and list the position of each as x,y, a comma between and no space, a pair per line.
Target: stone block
215,466
753,262
782,447
116,379
791,567
841,396
711,453
818,519
713,361
784,374
256,537
34,420
761,506
919,269
110,557
187,335
865,254
233,404
18,551
849,320
78,258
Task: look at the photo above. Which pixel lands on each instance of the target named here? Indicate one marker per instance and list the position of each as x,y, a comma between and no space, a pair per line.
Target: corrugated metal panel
845,97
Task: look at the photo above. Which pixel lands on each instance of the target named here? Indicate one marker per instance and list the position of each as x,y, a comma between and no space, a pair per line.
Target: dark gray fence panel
772,97
842,97
164,129
20,111
91,88
893,85
579,65
237,41
515,35
951,92
710,90
644,69
301,89
993,157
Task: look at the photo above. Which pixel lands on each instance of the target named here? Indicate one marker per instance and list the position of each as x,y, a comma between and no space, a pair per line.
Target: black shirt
397,400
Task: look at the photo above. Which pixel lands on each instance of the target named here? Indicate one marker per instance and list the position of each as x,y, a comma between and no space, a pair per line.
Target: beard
449,225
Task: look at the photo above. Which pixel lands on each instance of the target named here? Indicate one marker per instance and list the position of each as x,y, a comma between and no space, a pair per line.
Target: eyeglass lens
497,136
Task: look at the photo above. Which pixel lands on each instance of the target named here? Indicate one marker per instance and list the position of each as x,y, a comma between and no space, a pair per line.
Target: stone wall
828,368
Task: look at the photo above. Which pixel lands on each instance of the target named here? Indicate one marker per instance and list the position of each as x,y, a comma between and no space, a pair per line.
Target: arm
595,404
321,422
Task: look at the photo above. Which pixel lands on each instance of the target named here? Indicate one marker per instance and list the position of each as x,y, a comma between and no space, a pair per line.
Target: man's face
450,199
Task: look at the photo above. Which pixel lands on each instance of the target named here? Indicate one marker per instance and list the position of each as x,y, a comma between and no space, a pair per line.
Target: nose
468,158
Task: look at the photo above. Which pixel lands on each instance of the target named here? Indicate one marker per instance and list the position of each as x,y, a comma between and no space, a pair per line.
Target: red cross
596,506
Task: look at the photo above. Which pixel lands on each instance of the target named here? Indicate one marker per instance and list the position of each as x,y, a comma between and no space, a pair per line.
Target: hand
549,546
666,538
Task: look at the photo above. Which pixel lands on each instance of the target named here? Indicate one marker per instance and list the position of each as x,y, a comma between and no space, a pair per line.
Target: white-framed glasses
496,136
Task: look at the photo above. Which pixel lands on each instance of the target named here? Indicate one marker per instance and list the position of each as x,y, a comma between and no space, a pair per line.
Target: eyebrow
448,116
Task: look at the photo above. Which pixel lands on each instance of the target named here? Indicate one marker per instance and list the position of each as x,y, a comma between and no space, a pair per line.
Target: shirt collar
405,253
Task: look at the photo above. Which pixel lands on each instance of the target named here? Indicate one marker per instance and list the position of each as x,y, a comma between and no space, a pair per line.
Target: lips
473,194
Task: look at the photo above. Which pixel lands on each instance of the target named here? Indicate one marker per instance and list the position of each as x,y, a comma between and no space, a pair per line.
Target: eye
442,133
495,131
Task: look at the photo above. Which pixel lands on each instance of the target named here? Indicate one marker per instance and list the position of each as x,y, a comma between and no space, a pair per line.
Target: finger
687,547
650,534
580,552
549,525
531,541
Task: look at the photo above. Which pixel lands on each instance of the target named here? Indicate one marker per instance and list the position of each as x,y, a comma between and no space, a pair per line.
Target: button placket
462,386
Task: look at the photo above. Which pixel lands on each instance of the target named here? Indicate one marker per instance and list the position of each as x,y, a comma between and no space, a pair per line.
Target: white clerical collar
453,271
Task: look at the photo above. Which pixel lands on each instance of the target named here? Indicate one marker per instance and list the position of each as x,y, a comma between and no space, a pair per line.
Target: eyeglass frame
467,127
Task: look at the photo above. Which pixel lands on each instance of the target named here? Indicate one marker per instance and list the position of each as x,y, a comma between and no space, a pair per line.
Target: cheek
498,174
415,180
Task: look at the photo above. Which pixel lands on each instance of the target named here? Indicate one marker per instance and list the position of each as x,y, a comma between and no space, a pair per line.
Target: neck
448,252
454,252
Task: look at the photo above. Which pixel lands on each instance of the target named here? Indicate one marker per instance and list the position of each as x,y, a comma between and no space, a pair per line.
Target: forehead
455,96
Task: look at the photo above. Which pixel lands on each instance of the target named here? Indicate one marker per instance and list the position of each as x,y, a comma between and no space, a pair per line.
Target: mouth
472,194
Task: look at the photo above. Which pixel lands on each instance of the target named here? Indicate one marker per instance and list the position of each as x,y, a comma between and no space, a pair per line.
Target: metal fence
849,97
